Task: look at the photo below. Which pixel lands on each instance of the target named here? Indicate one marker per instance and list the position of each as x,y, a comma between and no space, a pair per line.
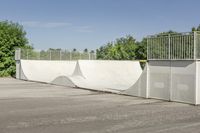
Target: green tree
126,47
193,29
76,55
196,28
12,35
141,50
104,51
55,53
44,55
85,50
121,49
85,54
74,50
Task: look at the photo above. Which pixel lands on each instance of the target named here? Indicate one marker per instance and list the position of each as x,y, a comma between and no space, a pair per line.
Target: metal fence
179,46
197,40
32,54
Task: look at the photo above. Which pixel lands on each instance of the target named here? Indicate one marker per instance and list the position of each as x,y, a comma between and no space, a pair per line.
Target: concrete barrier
113,76
139,88
45,71
174,80
167,80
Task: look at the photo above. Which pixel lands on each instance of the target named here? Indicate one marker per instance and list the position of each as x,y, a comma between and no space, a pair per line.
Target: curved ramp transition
140,87
45,71
107,75
102,75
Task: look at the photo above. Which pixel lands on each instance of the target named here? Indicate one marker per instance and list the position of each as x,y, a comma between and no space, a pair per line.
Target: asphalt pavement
30,107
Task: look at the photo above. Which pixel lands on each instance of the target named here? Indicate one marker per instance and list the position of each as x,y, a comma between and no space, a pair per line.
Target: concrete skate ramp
64,81
140,87
112,76
47,71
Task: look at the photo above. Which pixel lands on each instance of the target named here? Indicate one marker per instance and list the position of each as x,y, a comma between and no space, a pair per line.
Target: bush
12,35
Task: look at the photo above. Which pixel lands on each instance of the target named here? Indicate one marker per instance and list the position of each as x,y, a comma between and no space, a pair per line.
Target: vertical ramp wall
183,81
159,79
173,80
198,83
139,88
21,74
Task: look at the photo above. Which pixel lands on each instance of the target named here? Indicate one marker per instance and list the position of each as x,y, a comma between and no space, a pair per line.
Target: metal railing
58,54
178,46
197,40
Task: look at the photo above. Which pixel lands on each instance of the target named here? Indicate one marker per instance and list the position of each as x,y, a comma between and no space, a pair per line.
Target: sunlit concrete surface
29,107
103,75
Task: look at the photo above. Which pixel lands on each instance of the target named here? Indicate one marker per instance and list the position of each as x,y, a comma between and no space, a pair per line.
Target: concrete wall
105,75
45,71
198,82
183,80
139,88
173,80
112,76
168,80
159,79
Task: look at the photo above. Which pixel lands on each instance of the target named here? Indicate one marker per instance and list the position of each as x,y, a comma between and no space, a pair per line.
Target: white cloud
85,29
38,24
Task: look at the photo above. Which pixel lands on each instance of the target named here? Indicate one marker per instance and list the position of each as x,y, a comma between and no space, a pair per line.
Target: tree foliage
126,48
196,28
12,35
141,50
85,50
122,49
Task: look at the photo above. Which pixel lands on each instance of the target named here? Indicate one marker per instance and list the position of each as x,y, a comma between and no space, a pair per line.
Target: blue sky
91,23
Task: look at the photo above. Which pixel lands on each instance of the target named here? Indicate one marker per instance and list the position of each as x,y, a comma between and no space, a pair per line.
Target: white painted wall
183,79
198,82
159,79
169,80
139,88
173,80
45,71
106,75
